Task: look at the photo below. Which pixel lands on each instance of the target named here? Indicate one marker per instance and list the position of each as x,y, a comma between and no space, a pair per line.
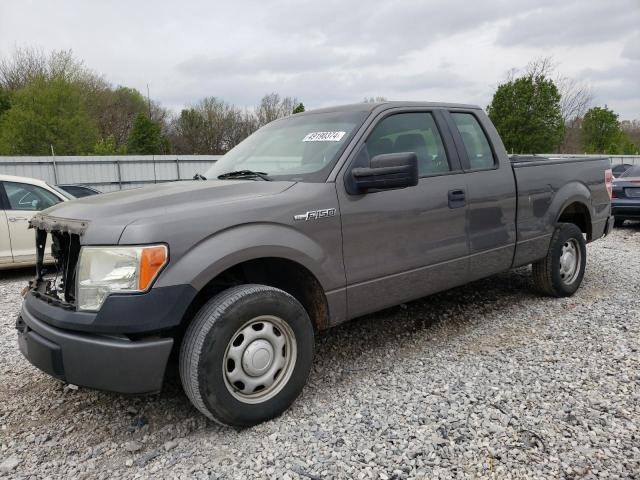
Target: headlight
105,270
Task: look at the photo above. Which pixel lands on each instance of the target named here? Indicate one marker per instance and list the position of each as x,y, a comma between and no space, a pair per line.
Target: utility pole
55,167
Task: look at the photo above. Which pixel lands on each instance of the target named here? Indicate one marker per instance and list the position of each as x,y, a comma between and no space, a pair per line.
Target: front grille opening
57,283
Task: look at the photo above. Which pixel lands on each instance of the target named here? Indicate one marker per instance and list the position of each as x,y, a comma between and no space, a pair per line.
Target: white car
20,199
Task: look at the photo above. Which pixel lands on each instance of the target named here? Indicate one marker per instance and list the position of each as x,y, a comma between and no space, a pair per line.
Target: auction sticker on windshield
323,137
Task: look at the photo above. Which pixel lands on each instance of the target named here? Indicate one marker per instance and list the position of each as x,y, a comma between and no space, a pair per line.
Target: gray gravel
488,381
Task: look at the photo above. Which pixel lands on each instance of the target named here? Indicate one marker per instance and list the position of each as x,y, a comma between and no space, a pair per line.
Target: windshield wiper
245,174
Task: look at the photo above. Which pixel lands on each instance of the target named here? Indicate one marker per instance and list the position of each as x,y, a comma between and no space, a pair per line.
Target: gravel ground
488,381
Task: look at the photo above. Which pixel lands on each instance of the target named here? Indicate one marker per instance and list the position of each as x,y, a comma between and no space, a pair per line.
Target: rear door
491,194
24,201
5,240
405,243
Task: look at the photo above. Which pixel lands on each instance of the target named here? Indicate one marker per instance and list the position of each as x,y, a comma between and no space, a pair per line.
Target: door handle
18,219
457,198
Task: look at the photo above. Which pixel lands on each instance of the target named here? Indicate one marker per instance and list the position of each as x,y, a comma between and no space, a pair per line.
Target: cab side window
411,132
23,196
479,155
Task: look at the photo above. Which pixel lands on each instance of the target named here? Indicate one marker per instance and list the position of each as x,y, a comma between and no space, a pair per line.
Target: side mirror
390,170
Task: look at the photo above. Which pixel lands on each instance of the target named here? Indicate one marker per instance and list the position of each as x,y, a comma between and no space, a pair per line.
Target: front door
24,201
405,243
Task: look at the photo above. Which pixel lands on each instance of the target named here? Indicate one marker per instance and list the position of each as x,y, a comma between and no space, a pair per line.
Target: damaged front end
57,285
108,350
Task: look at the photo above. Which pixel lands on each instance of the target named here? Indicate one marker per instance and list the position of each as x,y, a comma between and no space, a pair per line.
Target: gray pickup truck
313,220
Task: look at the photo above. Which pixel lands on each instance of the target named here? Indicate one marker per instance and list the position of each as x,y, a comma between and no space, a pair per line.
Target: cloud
297,60
572,23
632,48
616,86
335,51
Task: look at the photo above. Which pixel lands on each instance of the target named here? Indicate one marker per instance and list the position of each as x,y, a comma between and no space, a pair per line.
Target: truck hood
104,217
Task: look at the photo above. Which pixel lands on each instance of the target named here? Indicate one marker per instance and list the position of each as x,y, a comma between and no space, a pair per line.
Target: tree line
539,111
51,103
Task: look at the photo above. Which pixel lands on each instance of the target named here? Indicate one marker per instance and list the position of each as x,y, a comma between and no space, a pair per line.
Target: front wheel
246,355
560,273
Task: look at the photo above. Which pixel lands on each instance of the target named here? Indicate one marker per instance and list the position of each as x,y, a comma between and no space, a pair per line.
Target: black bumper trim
154,311
626,209
101,362
630,214
609,226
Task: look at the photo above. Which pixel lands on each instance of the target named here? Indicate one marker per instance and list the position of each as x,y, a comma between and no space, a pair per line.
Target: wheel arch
278,272
578,213
267,254
572,204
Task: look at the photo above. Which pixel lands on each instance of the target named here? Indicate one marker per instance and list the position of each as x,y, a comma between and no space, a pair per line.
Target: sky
334,52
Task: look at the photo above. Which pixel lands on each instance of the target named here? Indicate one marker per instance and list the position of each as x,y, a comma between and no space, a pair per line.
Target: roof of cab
369,107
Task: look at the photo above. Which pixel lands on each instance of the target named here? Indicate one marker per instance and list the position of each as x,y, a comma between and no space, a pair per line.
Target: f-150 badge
316,214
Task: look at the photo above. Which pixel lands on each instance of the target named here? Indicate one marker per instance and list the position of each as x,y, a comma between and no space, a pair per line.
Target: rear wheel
247,355
560,273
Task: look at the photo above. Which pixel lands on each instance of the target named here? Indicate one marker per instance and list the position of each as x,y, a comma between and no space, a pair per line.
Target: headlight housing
121,269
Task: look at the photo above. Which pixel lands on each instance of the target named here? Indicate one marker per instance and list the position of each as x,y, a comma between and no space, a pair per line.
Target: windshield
299,148
632,172
66,195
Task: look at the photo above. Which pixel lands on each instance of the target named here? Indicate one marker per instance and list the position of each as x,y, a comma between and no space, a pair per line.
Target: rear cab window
479,155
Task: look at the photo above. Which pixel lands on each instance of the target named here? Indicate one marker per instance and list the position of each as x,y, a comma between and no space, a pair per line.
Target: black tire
213,331
618,222
547,275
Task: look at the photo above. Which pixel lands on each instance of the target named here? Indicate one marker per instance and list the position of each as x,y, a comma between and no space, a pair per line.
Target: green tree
602,133
46,113
631,128
190,132
526,112
115,110
5,101
626,146
108,146
28,64
146,137
298,108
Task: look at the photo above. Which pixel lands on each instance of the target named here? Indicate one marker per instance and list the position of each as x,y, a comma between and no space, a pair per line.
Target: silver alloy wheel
259,359
570,261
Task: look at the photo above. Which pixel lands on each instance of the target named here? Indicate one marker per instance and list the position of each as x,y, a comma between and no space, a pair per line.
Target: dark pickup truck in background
311,221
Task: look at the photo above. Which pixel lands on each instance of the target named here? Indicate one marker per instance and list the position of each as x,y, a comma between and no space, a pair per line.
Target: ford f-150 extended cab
313,220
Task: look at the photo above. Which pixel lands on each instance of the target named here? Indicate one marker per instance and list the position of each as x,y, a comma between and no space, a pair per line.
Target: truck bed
548,185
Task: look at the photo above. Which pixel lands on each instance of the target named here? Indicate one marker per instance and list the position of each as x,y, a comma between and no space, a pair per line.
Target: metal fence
615,159
108,173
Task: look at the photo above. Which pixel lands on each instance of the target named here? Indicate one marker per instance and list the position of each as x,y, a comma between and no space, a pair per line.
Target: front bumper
113,363
159,309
